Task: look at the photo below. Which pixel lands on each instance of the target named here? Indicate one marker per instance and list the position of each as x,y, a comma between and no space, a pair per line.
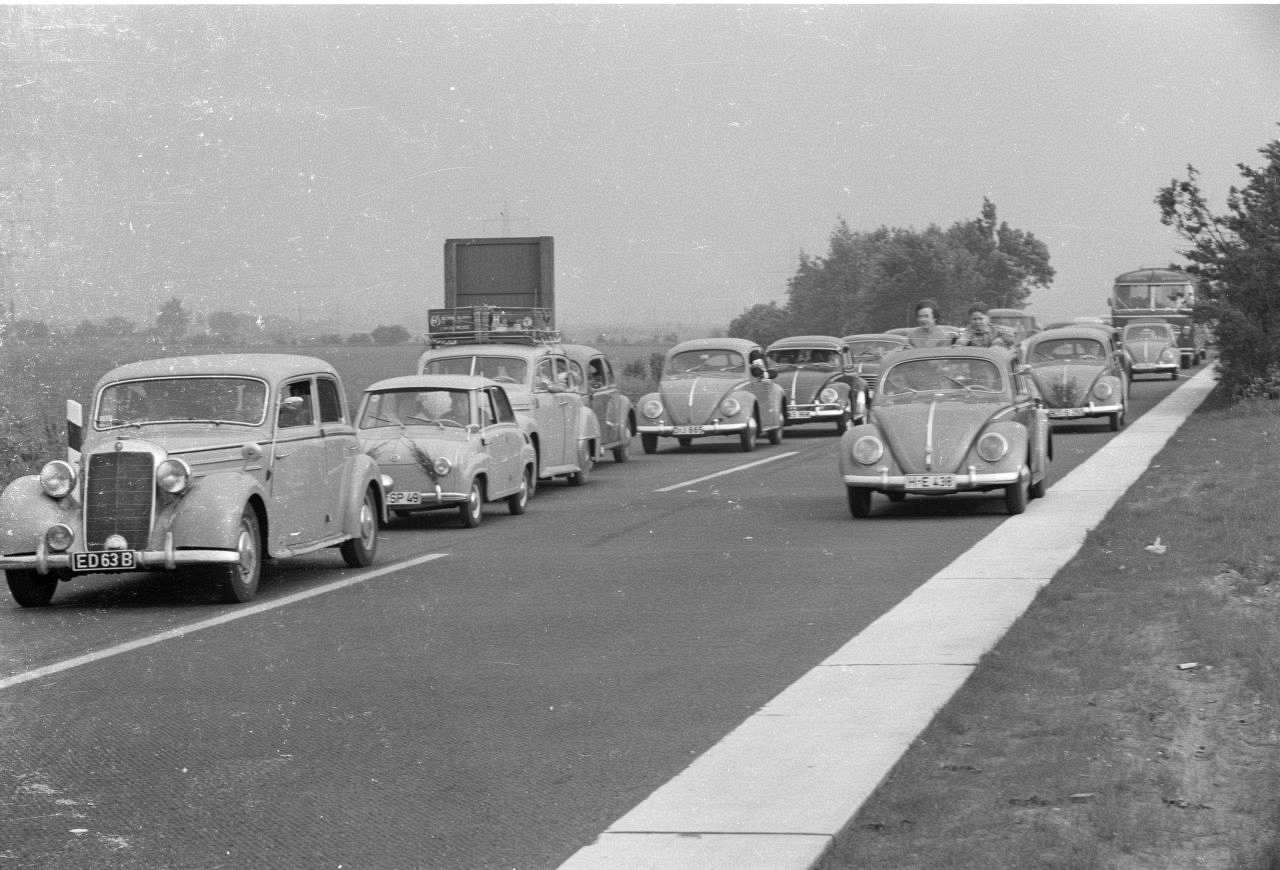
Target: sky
684,156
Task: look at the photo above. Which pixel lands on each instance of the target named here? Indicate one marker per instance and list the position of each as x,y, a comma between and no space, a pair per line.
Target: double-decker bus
1160,294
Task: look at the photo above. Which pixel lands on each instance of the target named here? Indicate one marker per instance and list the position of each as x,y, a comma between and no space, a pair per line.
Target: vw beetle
867,351
816,374
948,420
1078,374
446,441
710,387
211,462
1151,348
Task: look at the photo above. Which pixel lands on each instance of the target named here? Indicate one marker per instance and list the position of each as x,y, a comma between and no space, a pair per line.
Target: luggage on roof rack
486,324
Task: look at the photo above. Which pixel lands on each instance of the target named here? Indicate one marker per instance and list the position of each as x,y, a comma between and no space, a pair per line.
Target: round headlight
57,478
442,465
1103,390
730,406
1168,355
652,408
173,476
992,446
867,450
58,537
829,395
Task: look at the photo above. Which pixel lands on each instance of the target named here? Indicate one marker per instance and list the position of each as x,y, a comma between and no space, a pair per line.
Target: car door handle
281,454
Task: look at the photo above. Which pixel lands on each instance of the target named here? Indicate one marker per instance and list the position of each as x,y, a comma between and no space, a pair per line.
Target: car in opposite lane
211,462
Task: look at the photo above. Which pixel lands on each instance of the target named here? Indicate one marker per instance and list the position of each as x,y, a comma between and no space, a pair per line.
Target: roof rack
489,324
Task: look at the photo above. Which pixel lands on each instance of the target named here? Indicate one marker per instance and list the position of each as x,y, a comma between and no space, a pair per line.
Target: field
40,378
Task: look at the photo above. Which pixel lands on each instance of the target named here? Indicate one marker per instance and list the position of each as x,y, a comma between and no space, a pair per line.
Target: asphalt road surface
484,698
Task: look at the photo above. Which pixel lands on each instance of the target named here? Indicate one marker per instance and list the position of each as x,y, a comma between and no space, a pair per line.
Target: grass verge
1130,718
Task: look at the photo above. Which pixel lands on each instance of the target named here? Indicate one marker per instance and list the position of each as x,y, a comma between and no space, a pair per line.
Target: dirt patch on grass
1131,719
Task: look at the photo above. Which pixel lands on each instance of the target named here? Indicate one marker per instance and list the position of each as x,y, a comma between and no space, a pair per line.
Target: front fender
208,515
26,512
364,474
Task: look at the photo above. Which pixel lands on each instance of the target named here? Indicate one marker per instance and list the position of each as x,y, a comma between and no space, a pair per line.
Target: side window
545,375
330,401
576,379
487,414
598,374
296,414
502,406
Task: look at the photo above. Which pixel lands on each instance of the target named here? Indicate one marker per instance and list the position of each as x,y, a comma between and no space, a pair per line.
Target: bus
1160,294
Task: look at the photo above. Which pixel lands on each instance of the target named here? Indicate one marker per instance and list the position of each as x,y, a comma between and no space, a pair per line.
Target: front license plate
1059,413
686,430
931,481
799,415
394,498
110,560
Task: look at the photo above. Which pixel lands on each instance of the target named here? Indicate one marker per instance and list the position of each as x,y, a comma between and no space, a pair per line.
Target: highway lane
497,707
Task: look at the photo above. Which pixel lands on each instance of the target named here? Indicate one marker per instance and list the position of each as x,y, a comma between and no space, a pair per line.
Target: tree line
869,281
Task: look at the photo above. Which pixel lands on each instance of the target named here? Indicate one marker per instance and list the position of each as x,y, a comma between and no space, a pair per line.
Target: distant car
544,386
1020,323
612,407
948,420
867,352
1079,374
817,375
213,462
713,387
446,441
1151,348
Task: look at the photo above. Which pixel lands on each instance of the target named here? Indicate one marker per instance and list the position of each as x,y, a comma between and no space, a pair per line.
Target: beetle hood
695,400
802,385
1146,350
935,436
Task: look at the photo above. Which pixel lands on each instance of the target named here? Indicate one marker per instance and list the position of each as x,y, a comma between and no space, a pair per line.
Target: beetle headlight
730,406
1103,390
173,476
867,450
1168,355
829,395
442,465
57,478
992,446
58,537
652,409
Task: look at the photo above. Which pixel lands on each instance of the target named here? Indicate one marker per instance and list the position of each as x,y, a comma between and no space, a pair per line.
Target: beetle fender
25,513
1015,433
209,515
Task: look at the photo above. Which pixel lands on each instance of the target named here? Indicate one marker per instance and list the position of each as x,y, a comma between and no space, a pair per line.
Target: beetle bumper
815,413
1085,411
715,427
967,482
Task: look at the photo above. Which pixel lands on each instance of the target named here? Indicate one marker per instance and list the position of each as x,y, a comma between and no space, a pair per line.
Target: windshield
872,349
242,401
705,362
416,407
804,356
1154,296
1148,332
504,369
1067,350
925,379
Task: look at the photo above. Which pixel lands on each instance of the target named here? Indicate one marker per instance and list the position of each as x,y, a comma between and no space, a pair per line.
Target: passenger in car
981,332
927,332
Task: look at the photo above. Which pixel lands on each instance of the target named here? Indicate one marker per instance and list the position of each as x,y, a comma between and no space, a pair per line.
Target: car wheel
1173,375
649,443
1117,421
859,501
360,550
841,425
518,501
31,589
1016,495
472,509
896,496
240,581
775,435
585,463
747,438
620,453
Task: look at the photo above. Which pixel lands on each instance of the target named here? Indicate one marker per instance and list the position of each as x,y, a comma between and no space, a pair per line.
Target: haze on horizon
682,156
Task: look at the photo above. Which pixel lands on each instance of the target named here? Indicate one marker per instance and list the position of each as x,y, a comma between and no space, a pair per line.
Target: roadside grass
1131,718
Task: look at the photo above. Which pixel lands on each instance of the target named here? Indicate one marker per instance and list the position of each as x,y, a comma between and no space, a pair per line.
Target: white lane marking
239,613
727,471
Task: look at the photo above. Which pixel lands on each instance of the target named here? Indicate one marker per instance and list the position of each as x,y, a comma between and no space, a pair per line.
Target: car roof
580,351
514,351
419,382
1075,331
742,345
827,342
268,366
999,356
876,336
1154,276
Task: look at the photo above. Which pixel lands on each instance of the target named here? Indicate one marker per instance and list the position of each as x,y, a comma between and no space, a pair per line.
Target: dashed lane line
735,468
212,622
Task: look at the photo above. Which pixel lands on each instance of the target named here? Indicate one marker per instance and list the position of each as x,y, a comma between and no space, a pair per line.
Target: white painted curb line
775,791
